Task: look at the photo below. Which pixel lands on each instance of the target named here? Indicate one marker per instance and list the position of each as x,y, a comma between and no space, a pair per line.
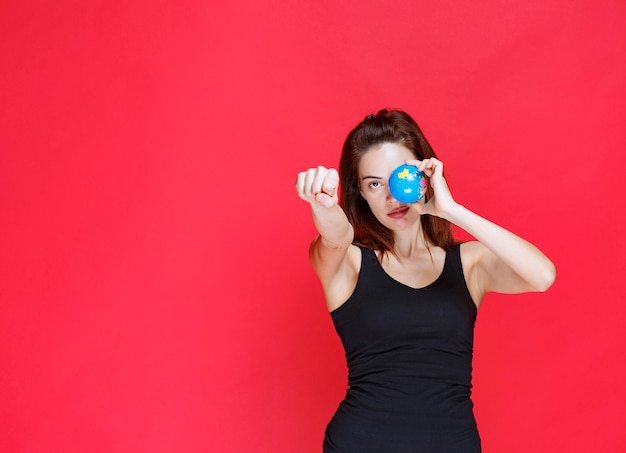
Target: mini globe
407,184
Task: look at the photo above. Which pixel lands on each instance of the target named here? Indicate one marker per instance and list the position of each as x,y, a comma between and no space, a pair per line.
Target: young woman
403,294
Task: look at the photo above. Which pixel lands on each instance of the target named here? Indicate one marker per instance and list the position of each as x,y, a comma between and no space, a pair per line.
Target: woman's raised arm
329,251
500,261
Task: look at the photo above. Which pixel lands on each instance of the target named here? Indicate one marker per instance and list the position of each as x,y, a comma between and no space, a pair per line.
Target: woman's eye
374,184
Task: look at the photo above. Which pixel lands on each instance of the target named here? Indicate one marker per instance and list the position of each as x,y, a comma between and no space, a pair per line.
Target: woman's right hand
319,186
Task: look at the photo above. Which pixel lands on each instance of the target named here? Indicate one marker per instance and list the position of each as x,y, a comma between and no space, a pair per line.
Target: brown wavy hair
387,126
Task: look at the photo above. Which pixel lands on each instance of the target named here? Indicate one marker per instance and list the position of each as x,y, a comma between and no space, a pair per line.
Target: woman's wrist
454,212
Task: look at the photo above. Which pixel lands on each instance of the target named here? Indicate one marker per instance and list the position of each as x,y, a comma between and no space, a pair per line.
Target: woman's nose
390,199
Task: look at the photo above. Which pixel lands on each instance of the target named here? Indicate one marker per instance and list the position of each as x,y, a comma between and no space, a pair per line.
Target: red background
155,293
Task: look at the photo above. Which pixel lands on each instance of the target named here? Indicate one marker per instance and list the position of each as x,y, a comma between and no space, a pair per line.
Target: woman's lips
398,212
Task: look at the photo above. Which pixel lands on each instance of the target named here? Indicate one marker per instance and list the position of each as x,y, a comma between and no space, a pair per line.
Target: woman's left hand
441,201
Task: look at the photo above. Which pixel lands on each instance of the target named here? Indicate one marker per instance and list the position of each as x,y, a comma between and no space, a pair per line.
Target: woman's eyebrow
370,177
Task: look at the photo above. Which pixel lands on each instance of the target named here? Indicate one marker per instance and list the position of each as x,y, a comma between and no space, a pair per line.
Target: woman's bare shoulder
472,250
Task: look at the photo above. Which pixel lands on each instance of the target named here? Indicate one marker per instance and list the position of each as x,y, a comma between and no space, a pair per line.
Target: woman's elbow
547,278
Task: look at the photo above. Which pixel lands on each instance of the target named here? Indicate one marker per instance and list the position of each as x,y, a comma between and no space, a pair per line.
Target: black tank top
409,357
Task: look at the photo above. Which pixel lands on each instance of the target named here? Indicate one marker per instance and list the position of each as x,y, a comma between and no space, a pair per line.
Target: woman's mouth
398,212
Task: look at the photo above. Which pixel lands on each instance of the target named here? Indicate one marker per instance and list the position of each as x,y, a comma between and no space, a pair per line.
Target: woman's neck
408,243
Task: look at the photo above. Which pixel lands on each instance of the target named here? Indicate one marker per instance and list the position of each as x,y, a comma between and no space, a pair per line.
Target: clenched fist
319,185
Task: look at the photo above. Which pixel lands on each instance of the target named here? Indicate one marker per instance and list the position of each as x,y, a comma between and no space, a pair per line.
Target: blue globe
407,184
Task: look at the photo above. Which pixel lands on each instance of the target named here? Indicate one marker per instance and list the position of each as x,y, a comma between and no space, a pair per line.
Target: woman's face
374,169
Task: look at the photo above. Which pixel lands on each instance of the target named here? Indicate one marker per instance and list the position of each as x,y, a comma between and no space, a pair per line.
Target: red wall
155,294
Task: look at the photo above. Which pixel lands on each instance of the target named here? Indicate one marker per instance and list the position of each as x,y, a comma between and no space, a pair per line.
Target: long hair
387,126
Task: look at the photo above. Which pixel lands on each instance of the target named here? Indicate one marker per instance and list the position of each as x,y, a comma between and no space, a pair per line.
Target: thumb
325,200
